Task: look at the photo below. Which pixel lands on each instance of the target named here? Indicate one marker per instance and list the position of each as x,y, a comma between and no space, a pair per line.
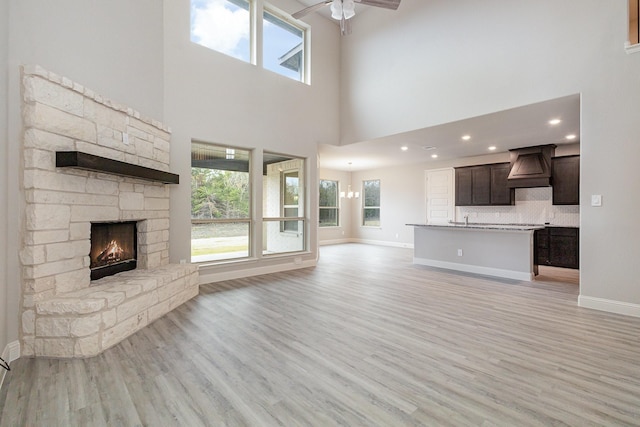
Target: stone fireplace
69,310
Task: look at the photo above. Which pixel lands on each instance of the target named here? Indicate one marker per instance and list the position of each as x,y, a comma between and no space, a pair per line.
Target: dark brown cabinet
501,194
566,180
483,185
557,247
464,184
480,185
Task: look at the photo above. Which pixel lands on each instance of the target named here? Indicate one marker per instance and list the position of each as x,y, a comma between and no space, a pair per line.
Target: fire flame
112,253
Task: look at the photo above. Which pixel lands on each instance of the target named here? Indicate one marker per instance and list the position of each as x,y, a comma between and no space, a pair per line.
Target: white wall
113,47
443,63
4,159
215,98
402,201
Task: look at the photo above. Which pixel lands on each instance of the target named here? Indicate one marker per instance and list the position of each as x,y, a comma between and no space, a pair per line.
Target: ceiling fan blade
313,8
387,4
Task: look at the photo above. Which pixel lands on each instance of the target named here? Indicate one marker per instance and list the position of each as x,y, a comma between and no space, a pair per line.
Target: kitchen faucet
466,219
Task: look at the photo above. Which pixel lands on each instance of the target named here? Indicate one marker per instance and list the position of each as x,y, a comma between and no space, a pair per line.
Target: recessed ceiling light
571,137
428,147
404,148
492,148
555,121
434,156
466,137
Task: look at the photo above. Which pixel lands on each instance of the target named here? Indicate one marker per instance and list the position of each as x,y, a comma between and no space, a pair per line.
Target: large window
329,211
227,27
371,203
283,219
283,46
220,202
222,25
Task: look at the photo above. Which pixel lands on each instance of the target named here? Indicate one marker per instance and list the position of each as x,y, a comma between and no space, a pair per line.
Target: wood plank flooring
365,339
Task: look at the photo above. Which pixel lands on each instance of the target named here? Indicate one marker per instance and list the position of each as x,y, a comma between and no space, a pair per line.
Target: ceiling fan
344,10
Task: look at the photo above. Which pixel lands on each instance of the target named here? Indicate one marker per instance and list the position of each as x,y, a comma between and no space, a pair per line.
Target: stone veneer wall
64,314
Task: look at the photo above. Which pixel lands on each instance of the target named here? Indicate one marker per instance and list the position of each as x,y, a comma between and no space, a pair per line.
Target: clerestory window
227,26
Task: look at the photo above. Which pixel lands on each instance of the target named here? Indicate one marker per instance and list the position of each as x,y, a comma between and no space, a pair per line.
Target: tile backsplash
533,206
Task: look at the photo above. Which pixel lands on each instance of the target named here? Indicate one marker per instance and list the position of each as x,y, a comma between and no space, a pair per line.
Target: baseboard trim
250,272
383,243
611,306
10,353
333,242
467,268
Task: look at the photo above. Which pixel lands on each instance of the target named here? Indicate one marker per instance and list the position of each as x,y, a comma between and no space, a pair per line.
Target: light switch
596,200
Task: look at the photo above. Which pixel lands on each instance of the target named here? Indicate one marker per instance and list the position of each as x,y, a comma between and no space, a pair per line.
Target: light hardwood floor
364,339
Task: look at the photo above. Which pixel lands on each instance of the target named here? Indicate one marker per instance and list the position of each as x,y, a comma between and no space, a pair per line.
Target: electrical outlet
459,252
596,200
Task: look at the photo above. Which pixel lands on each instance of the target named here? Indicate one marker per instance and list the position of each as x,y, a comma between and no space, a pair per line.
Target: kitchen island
501,250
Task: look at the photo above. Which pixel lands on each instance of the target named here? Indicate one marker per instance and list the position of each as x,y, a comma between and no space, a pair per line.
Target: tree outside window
220,202
329,212
371,203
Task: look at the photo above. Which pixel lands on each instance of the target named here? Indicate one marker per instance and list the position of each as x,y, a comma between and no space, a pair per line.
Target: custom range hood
531,166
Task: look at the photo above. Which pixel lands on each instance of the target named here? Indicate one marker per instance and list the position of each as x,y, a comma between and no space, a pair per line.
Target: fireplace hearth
84,221
113,248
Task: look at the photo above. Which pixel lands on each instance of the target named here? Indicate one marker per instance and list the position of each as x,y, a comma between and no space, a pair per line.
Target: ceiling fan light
348,9
336,9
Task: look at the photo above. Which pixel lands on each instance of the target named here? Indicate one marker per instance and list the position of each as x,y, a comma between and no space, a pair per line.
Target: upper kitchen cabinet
480,186
566,180
501,194
463,187
483,185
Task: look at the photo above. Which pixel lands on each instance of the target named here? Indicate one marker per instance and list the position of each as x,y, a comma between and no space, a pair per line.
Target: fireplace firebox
113,248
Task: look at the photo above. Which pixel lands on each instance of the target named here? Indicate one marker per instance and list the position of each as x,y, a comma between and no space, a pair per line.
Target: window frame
284,226
257,10
251,27
291,21
370,207
335,208
242,220
277,242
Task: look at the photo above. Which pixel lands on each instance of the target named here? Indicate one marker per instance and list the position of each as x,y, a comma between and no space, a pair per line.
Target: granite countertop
484,226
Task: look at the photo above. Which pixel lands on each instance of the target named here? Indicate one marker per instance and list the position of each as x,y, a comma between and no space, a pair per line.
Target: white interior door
440,196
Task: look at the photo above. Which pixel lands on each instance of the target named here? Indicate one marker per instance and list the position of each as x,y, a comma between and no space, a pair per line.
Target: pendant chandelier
350,194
